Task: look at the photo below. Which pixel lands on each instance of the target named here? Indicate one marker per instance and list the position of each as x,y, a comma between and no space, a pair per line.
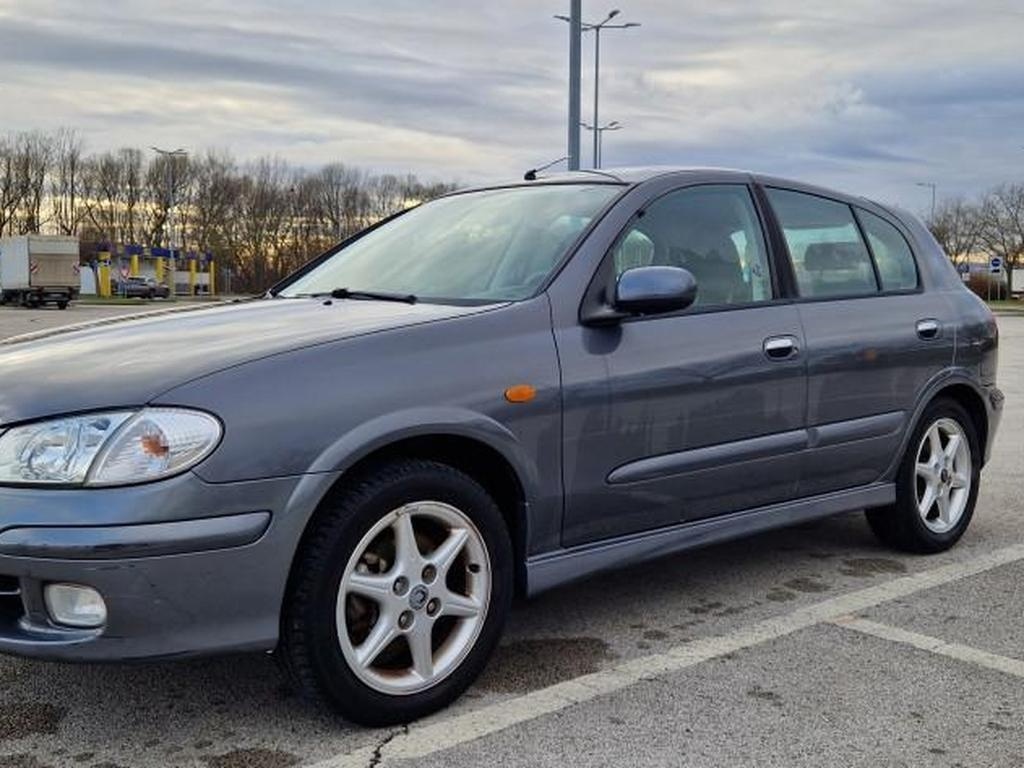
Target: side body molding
710,456
758,447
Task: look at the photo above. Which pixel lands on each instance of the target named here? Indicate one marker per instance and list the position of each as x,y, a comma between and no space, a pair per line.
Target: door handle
928,328
780,347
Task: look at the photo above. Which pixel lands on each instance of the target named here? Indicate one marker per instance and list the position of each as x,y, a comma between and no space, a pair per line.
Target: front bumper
185,567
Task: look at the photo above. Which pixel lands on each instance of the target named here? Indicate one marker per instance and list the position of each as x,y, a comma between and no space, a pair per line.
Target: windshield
493,245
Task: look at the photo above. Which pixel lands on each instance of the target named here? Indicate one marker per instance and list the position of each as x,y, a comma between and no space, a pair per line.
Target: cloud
867,95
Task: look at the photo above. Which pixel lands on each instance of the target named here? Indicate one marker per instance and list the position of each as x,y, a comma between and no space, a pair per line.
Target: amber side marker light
520,393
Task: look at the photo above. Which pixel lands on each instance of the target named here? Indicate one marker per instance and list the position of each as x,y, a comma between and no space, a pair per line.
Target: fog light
73,605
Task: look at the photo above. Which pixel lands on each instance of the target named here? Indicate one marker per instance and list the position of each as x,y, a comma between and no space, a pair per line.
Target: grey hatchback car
488,395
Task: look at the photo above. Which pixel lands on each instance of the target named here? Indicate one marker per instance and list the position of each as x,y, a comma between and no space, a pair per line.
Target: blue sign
995,265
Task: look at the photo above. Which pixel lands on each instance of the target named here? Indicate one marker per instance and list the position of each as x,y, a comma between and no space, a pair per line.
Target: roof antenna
531,175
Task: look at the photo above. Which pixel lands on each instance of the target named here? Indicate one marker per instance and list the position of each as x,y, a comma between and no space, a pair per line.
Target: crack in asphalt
376,757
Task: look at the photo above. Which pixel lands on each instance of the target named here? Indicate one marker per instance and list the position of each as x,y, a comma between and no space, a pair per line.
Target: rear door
677,417
874,337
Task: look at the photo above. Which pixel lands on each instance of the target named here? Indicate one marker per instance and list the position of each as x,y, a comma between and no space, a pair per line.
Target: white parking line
935,645
440,733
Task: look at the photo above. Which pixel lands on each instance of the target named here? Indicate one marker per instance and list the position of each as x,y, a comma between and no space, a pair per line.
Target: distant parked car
493,393
141,287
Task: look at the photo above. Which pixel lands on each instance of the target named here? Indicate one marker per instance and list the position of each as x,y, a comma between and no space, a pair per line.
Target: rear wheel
62,305
399,594
937,484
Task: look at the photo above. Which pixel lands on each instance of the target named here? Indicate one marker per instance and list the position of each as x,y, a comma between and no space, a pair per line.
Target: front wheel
937,484
399,594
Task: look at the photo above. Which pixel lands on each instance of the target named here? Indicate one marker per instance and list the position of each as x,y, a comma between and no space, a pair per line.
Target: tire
321,662
902,525
62,305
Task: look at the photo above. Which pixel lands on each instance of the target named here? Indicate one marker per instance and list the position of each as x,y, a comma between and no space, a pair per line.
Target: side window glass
714,232
829,257
634,250
892,253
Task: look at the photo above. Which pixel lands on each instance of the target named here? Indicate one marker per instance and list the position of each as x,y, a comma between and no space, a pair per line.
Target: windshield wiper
348,293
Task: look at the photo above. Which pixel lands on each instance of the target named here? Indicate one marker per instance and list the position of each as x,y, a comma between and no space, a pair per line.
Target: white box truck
39,269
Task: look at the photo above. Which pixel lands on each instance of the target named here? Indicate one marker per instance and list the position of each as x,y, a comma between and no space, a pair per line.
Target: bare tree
312,227
66,206
957,227
261,221
34,153
102,186
131,197
1002,230
339,198
10,186
261,215
166,181
387,195
213,190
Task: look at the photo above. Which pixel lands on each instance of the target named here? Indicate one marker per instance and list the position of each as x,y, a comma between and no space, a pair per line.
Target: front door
683,416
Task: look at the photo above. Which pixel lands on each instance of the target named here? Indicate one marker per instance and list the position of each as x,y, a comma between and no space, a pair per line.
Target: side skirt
552,569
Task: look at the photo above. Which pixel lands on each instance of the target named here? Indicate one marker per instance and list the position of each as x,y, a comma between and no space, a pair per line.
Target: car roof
640,174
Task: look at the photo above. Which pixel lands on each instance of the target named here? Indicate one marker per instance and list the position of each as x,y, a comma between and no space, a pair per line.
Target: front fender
378,433
369,436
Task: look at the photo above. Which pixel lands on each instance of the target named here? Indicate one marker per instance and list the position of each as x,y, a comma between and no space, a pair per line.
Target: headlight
116,448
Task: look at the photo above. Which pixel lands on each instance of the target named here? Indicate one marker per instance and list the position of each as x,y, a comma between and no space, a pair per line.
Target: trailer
39,269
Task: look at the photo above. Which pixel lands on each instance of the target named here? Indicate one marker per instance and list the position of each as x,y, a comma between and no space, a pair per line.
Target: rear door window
829,256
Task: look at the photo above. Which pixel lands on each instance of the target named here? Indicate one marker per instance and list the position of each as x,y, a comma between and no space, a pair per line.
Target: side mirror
654,290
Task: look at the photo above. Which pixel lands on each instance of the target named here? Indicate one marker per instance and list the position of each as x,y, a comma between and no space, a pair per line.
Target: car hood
129,361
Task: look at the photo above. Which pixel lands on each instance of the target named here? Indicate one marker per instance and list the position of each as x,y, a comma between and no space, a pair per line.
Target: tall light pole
614,125
575,35
596,29
170,156
930,185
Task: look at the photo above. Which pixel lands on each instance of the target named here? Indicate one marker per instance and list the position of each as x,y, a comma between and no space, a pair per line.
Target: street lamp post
170,156
614,125
930,185
575,35
596,29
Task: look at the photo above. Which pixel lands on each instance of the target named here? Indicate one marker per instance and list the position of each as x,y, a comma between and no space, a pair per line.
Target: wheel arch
479,447
959,388
972,402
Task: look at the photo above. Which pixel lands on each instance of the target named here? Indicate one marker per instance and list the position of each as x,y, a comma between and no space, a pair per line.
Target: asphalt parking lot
806,647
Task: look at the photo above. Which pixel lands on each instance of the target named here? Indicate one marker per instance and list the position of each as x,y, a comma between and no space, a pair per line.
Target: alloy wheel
943,475
413,598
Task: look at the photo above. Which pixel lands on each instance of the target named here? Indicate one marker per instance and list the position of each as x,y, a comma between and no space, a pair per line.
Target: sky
869,96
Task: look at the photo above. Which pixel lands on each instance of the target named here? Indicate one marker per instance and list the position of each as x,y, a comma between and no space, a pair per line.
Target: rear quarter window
895,260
